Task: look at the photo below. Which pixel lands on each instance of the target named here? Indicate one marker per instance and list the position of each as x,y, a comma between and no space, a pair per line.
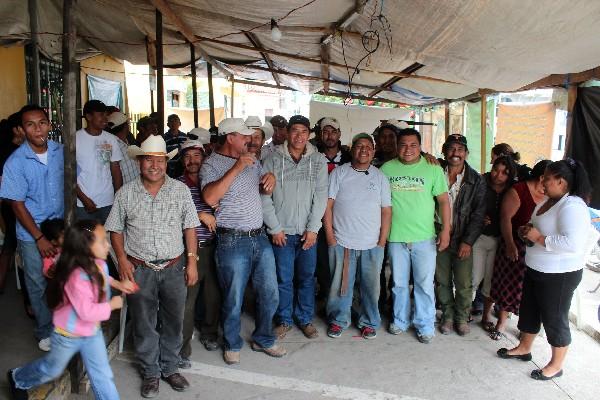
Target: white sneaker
44,344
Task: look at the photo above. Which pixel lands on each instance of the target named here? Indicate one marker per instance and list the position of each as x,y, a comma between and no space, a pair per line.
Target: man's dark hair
221,139
52,228
29,108
406,132
172,116
116,129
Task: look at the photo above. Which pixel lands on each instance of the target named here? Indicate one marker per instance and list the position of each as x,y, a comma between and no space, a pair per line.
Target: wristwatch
193,255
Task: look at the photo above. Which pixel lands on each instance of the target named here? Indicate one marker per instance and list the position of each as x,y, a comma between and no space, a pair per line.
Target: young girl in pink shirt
79,294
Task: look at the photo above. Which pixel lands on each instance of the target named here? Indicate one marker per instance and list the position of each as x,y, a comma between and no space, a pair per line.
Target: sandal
488,326
496,334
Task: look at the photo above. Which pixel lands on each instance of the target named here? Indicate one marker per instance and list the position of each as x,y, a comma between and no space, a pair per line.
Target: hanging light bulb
357,75
275,32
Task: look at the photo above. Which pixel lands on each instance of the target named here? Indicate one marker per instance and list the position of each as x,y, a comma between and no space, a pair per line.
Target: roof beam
314,60
325,65
366,98
258,83
256,43
564,79
408,70
164,7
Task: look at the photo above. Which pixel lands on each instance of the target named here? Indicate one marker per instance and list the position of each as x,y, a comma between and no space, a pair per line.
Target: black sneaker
334,331
368,333
16,393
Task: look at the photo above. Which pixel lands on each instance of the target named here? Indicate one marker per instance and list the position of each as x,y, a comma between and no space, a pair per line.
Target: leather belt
205,243
155,266
250,233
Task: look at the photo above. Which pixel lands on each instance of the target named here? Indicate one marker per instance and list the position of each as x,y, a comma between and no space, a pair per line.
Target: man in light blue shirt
33,181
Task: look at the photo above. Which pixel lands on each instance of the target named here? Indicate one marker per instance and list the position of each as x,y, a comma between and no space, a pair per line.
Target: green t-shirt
414,188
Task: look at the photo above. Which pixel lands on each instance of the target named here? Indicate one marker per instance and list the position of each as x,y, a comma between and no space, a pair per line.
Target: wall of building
13,84
105,67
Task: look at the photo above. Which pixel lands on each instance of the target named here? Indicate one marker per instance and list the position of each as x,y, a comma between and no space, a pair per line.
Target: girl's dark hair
505,149
538,170
509,164
76,253
52,228
575,174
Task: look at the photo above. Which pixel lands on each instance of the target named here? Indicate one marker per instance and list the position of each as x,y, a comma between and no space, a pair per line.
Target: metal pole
152,84
160,88
211,99
446,119
483,132
194,88
36,92
232,94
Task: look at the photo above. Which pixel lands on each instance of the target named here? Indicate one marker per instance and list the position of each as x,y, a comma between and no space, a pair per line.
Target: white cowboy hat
153,146
202,134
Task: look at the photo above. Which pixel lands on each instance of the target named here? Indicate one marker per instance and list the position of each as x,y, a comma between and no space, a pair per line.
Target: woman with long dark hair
558,235
509,266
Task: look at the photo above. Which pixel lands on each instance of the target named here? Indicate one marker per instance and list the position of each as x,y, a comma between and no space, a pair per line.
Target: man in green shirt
415,187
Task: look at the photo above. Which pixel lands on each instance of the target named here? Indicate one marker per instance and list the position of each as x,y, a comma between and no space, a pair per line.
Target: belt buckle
153,267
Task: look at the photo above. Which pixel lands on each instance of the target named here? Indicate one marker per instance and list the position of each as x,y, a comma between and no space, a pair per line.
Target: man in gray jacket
292,214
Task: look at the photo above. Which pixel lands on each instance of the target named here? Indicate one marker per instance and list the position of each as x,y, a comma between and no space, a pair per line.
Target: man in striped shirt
232,180
192,156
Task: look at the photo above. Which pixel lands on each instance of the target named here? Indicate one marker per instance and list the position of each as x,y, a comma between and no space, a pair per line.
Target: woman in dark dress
509,267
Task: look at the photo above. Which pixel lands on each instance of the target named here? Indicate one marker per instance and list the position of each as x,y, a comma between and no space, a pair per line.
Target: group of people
197,220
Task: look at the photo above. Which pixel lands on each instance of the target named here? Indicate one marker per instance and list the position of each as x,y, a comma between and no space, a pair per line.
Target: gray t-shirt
241,207
359,198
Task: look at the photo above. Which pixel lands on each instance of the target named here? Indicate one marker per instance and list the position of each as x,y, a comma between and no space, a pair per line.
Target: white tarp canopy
498,45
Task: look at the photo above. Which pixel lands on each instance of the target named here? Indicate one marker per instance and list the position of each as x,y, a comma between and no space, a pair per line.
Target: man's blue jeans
240,258
420,257
35,282
63,348
296,281
161,298
366,264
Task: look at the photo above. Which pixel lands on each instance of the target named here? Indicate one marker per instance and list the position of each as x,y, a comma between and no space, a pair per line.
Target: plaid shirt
130,169
153,225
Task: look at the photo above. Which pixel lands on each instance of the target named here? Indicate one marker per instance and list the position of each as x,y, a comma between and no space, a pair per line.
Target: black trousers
547,300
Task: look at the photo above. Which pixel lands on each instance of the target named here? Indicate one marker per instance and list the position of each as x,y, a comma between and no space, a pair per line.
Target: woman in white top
557,235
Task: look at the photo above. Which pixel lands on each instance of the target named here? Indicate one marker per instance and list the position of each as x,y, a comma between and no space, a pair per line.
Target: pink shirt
80,312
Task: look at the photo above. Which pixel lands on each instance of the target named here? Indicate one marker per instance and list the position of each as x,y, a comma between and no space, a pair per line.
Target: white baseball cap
191,144
330,121
234,125
268,130
253,122
117,118
202,134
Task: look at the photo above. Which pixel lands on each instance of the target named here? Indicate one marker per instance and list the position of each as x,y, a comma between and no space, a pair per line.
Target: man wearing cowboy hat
148,223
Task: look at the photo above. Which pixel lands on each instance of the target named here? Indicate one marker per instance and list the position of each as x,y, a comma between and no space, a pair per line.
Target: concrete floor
389,367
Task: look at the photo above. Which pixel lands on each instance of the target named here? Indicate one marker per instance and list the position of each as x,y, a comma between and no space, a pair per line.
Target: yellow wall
106,67
13,85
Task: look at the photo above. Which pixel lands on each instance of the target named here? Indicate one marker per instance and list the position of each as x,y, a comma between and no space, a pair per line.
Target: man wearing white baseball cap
152,224
232,181
118,125
262,133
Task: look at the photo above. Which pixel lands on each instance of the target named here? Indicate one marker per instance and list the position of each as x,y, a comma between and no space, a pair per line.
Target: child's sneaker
334,331
368,332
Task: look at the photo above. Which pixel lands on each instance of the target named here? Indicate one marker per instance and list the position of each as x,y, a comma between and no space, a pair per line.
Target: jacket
468,212
299,199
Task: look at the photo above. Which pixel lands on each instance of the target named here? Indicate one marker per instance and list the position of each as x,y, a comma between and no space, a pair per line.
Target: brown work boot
281,330
177,382
309,331
446,327
463,329
274,351
231,357
150,387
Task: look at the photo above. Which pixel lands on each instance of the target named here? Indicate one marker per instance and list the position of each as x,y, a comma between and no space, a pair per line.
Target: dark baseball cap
298,119
94,106
278,121
456,138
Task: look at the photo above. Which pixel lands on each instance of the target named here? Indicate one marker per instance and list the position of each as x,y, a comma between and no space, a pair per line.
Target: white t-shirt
43,158
94,155
359,198
566,227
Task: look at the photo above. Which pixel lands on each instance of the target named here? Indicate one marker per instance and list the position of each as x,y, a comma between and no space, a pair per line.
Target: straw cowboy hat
153,146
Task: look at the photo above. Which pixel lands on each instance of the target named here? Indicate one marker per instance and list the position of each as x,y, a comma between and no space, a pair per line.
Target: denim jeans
296,281
161,297
239,259
35,283
101,214
63,348
454,279
364,265
420,258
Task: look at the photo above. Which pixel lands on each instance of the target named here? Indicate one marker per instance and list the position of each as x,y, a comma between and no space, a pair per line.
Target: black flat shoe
503,353
538,375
